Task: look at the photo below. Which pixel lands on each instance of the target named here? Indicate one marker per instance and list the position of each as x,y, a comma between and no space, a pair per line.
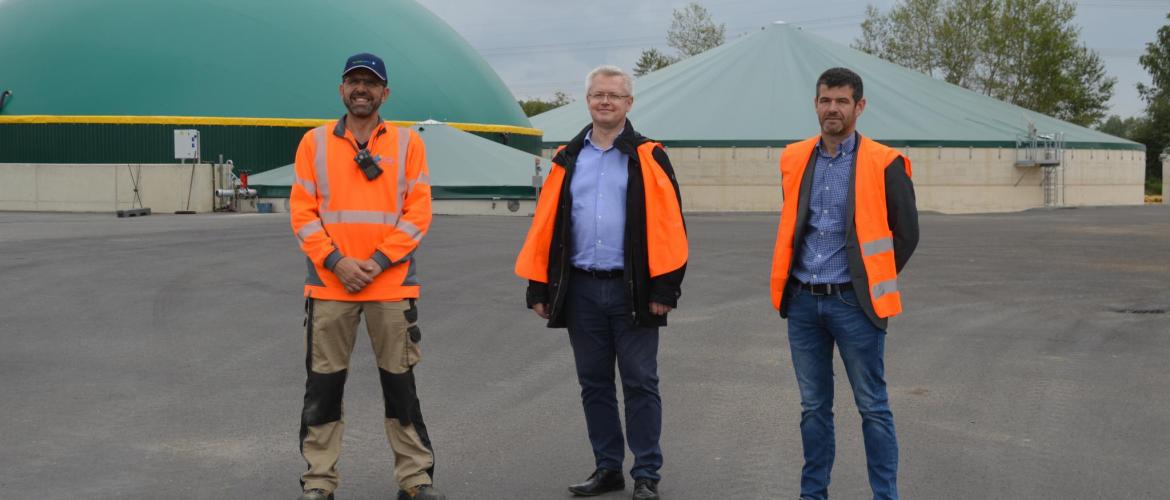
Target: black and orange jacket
655,234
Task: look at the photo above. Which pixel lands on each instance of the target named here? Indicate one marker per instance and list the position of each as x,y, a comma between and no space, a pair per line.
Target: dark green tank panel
225,58
238,58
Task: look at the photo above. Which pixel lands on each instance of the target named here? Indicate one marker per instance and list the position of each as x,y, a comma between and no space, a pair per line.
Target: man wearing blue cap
359,207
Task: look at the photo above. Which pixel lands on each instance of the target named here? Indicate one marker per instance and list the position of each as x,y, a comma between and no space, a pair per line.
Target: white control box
186,144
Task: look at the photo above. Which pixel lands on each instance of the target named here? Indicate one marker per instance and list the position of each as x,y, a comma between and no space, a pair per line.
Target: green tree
909,34
1026,52
651,60
693,31
1156,134
1127,128
533,107
958,58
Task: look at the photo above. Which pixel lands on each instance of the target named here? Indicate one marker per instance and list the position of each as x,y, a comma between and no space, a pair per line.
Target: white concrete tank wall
105,188
1104,177
949,180
973,180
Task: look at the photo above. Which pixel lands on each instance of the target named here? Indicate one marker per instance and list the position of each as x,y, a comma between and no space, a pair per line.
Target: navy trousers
602,331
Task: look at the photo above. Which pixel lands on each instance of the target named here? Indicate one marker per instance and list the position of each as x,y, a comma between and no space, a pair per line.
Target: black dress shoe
602,481
645,489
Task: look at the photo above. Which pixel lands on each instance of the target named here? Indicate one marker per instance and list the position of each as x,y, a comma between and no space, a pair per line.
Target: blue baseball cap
367,61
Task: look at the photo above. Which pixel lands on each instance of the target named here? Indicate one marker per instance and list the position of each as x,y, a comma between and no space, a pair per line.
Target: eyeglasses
603,97
364,82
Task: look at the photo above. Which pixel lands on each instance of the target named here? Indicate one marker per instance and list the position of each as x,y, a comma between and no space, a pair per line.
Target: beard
835,126
362,110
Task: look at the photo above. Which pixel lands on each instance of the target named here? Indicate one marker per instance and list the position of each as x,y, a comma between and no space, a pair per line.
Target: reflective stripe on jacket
337,212
872,241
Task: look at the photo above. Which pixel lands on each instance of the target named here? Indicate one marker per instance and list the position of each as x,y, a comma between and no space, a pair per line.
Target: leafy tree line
1028,53
1153,128
533,107
1025,52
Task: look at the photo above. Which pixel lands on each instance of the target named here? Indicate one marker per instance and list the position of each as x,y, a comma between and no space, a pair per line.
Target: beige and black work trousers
331,329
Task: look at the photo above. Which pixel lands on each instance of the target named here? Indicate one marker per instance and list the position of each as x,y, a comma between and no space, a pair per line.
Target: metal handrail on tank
1047,151
1039,150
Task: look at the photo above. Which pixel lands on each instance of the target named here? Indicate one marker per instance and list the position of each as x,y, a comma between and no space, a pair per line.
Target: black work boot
602,481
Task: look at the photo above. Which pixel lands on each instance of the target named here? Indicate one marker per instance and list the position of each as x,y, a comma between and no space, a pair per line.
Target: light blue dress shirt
822,254
599,207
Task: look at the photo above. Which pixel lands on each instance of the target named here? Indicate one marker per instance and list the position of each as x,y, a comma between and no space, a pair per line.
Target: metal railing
1039,150
1045,151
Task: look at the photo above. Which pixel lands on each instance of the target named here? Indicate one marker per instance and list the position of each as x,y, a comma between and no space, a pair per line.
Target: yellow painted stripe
239,122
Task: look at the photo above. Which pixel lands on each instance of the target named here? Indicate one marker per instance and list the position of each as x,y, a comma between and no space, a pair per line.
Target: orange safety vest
666,239
336,211
872,228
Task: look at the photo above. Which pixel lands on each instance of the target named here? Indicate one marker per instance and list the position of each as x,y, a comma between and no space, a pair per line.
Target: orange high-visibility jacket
877,286
337,212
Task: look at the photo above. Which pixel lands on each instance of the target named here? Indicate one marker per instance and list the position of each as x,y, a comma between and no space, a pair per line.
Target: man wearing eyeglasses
360,205
605,257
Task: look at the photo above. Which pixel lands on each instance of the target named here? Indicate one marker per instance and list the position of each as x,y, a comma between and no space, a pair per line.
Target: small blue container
264,208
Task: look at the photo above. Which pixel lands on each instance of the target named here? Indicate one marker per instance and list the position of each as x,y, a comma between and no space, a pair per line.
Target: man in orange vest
360,205
605,257
848,226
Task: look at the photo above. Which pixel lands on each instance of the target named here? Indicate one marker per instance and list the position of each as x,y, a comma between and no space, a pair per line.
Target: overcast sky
539,47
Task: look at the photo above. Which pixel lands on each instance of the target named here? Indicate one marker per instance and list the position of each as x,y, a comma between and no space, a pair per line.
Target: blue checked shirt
822,255
599,207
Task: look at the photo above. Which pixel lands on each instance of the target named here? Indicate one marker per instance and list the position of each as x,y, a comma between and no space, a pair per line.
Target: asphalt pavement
163,357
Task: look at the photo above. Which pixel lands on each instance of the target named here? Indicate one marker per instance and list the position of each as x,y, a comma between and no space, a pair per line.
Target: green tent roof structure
758,90
238,58
461,165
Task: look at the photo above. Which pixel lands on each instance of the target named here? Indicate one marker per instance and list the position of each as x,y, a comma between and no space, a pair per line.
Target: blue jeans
815,324
602,330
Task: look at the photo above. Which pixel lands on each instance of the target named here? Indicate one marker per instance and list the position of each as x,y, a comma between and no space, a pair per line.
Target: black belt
599,274
823,288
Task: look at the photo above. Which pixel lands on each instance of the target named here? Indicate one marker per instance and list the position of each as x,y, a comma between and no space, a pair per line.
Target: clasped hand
356,274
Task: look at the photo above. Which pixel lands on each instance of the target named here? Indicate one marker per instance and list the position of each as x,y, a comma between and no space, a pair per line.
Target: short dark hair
840,77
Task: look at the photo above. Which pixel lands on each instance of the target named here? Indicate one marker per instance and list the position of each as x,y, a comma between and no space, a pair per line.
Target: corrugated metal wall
254,149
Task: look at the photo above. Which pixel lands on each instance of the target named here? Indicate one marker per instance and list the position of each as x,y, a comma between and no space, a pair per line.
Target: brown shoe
421,492
316,494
